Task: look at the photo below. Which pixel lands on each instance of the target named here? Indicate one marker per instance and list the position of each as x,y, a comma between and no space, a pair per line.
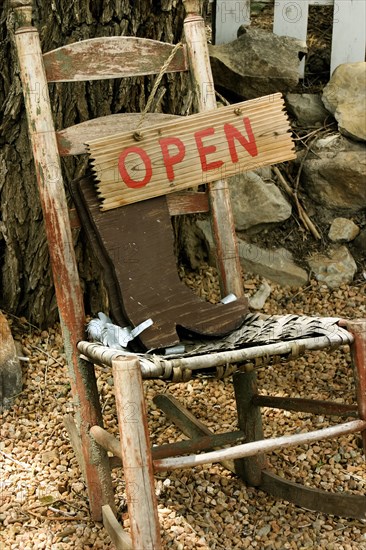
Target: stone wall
328,180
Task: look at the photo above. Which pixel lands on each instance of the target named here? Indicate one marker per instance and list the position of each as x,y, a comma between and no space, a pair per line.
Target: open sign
200,148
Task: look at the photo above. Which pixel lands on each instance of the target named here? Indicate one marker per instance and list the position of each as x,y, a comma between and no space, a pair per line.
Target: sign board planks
197,149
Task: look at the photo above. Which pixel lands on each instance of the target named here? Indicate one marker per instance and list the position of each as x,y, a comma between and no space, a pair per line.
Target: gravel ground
43,501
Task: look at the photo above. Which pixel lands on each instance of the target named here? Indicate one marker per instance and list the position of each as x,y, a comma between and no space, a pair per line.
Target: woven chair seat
260,336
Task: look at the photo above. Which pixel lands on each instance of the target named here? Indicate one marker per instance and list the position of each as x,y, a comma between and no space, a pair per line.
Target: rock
263,532
256,202
343,230
49,456
334,174
205,234
265,172
276,264
360,243
258,300
77,486
257,63
344,96
308,109
334,268
195,245
10,369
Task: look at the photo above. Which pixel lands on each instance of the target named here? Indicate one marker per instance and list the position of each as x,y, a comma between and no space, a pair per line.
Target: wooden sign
196,149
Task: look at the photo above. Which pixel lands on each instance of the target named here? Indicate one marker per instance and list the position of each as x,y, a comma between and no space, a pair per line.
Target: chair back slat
72,140
111,57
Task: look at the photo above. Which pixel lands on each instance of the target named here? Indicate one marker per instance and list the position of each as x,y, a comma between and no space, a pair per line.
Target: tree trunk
26,281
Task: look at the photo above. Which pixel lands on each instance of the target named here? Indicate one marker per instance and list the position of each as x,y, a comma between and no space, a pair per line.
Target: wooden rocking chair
250,336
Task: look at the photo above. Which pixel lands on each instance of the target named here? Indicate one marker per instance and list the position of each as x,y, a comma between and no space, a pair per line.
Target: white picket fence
291,19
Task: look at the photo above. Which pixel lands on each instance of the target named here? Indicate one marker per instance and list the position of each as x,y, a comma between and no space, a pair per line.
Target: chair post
358,350
250,422
94,460
136,454
222,220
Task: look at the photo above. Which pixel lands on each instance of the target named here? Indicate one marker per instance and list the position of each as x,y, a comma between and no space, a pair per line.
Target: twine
137,135
222,98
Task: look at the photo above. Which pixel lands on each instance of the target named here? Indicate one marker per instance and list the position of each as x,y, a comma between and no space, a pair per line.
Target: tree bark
25,278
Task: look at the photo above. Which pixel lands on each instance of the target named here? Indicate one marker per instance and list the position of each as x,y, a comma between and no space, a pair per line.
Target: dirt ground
43,500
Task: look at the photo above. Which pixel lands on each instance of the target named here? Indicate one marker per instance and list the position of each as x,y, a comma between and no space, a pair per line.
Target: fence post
228,16
349,32
291,19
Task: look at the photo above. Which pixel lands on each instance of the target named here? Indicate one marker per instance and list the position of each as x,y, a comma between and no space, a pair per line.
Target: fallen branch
326,129
308,224
56,518
62,512
21,464
48,355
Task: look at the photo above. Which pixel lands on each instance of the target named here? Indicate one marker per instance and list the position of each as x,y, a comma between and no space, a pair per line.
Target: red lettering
203,151
170,160
233,134
124,173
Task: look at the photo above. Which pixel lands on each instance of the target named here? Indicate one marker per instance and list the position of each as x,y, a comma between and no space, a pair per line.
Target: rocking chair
218,339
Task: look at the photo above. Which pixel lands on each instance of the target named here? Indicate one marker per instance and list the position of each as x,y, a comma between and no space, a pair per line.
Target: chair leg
136,454
92,459
358,350
249,419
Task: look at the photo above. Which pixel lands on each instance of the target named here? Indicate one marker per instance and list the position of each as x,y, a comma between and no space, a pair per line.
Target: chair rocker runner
243,336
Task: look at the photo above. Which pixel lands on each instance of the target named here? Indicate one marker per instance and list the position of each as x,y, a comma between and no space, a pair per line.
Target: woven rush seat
260,336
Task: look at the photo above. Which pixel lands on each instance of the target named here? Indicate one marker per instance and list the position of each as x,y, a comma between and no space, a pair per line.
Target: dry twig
21,464
308,224
56,518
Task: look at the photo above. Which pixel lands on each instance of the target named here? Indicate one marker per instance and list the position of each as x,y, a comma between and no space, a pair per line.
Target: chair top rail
72,140
111,57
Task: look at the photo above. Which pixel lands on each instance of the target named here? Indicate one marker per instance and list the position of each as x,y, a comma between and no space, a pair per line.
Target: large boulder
345,97
256,202
360,244
308,109
257,63
334,173
274,264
